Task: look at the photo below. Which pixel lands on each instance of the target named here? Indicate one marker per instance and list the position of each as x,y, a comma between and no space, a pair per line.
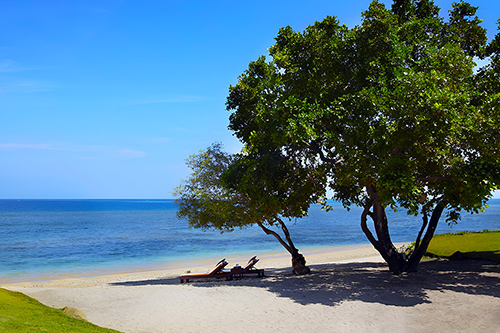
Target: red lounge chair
238,271
216,272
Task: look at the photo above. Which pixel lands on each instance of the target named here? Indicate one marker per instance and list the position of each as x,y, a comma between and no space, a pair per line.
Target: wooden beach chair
217,272
251,269
239,272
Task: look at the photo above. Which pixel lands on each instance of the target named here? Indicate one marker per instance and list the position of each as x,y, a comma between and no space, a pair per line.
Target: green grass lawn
472,245
20,313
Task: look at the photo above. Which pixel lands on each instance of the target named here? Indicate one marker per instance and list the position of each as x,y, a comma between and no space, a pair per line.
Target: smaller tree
227,191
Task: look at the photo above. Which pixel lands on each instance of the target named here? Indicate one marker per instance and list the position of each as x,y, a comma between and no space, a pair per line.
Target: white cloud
9,66
49,146
11,84
15,85
15,146
92,150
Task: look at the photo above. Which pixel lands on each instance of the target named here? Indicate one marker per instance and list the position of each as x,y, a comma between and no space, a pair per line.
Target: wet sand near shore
274,259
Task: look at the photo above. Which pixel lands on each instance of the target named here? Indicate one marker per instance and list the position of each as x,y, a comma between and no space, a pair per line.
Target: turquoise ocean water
57,237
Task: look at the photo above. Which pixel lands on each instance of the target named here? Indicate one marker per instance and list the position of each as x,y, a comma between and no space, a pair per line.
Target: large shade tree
226,191
393,109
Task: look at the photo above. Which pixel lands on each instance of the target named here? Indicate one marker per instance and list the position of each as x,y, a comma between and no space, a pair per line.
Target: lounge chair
216,272
239,272
250,269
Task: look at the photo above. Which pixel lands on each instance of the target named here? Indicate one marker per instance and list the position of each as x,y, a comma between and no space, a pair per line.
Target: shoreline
174,268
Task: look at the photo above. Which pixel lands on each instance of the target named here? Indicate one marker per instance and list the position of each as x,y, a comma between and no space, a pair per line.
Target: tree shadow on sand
331,284
372,283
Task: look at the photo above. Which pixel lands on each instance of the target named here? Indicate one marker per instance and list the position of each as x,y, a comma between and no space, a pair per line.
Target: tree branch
278,237
424,224
364,227
411,264
287,234
315,146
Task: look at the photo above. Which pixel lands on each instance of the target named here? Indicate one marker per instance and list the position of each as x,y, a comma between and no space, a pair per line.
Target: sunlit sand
350,290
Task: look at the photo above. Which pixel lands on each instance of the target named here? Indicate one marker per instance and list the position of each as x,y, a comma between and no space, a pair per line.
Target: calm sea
52,237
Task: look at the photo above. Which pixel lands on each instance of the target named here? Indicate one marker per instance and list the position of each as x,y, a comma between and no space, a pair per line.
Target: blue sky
106,99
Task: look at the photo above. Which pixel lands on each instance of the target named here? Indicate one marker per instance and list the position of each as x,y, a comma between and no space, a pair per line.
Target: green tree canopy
392,110
227,191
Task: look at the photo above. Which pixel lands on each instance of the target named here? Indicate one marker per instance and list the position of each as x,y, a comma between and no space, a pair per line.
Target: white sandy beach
349,290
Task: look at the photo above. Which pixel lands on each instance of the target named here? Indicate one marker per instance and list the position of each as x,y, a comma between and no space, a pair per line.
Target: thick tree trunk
299,263
421,247
298,260
396,261
383,244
